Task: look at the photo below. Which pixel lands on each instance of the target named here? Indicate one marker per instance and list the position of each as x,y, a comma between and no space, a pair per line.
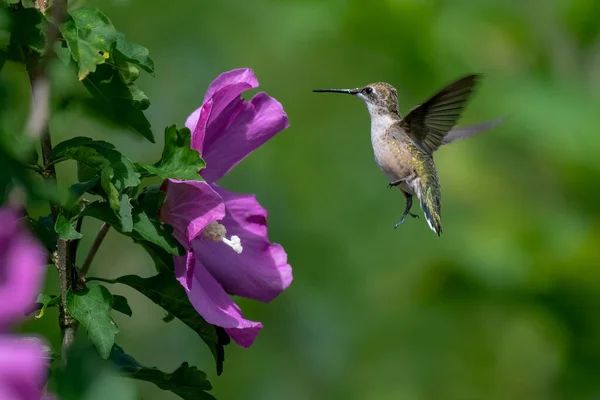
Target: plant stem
38,125
93,250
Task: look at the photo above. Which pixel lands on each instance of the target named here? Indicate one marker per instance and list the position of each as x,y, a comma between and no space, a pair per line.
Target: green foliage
179,160
187,382
121,305
145,228
120,100
164,290
91,306
66,227
44,301
86,376
116,171
28,38
134,54
78,190
107,63
90,37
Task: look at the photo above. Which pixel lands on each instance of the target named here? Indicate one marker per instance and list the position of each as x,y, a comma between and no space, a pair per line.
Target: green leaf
168,318
134,54
46,301
106,180
28,34
86,376
122,101
77,191
43,229
91,38
187,382
163,261
66,229
107,84
179,160
121,305
125,214
154,231
98,155
117,172
164,290
145,228
91,307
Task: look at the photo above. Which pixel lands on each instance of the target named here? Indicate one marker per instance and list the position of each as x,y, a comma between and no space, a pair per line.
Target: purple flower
225,233
23,362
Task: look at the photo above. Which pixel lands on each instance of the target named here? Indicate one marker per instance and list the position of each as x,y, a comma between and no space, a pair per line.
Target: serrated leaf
91,38
178,160
98,154
116,171
46,301
145,229
66,228
121,305
122,102
187,382
134,53
91,306
106,84
164,290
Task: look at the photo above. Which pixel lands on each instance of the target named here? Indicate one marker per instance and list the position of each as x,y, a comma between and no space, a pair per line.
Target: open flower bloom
23,362
225,233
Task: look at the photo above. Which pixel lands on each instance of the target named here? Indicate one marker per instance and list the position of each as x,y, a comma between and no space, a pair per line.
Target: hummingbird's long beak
347,91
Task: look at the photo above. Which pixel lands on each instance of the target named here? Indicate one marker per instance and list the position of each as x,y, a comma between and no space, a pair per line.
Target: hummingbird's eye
368,90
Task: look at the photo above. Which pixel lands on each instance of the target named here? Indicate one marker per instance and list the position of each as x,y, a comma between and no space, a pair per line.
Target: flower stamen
217,232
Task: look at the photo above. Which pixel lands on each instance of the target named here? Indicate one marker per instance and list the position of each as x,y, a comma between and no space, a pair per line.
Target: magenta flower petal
22,268
23,366
226,88
261,271
240,76
189,207
229,140
197,123
184,269
216,306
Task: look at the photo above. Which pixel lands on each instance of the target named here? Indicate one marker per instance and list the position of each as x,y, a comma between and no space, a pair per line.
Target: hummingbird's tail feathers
430,201
464,132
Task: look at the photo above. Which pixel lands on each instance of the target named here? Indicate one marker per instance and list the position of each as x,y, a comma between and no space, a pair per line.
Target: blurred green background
505,305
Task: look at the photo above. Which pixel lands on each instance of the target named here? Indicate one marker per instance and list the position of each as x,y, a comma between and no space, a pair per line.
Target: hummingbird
404,147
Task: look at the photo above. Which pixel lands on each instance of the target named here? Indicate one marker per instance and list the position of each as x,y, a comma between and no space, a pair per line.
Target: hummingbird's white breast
380,123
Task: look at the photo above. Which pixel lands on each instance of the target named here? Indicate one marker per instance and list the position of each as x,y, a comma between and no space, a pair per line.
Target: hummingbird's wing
464,132
430,122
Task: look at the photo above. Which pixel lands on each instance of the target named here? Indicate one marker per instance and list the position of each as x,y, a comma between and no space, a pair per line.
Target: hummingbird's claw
404,217
395,183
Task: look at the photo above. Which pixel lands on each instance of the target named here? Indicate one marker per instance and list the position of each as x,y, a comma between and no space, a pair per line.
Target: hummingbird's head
380,97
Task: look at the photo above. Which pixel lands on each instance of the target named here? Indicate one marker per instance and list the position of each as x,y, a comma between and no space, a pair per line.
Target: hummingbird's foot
406,209
406,212
395,183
